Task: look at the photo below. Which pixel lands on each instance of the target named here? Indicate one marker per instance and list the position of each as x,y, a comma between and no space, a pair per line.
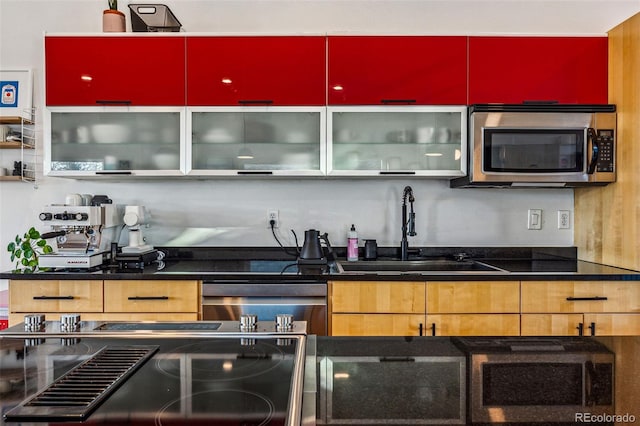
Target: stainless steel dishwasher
306,300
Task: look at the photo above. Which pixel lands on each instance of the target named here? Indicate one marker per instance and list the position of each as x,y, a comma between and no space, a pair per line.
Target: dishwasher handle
264,289
263,301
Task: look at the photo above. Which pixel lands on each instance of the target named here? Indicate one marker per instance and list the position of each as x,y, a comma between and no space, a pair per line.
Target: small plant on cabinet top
113,4
25,250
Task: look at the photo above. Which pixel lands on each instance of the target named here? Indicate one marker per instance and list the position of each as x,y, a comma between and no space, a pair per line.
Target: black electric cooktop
194,380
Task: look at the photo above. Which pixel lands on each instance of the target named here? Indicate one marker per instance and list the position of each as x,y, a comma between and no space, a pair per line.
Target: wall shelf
26,144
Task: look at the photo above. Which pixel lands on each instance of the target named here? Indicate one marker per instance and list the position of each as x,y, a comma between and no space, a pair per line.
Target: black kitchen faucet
408,224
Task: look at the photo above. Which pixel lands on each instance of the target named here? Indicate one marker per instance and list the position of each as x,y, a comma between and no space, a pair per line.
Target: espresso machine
83,233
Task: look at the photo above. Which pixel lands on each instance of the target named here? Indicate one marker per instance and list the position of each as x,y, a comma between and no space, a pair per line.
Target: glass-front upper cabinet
256,141
116,141
394,140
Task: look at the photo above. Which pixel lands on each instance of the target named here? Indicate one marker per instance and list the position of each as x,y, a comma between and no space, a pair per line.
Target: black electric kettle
312,248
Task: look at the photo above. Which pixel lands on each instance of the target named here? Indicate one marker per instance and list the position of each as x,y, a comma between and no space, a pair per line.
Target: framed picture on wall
16,93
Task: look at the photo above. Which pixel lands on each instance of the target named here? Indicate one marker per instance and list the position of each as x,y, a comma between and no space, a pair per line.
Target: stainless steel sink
417,266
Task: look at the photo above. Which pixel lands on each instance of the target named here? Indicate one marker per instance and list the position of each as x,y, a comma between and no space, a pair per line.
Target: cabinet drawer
376,324
378,297
473,297
551,324
473,325
613,324
55,296
151,296
580,296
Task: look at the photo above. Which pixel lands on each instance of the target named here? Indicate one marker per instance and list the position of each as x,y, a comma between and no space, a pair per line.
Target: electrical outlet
534,220
273,215
564,219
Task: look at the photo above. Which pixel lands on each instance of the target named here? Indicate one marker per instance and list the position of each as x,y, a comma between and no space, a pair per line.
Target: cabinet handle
148,297
433,328
255,102
254,172
573,299
114,172
384,172
113,102
53,297
397,359
420,329
592,327
580,328
397,101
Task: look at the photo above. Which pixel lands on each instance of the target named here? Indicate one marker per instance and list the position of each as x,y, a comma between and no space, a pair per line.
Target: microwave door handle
588,383
595,150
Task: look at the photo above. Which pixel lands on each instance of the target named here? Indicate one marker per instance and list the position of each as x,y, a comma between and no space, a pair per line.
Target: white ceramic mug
83,134
425,134
73,200
443,135
86,199
110,162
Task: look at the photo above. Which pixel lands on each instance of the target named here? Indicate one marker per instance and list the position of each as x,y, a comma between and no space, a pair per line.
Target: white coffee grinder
134,218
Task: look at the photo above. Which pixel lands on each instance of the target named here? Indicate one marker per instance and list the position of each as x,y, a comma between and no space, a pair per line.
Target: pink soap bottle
352,244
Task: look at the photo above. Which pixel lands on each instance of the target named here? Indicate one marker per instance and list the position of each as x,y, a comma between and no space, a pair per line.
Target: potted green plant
112,19
25,250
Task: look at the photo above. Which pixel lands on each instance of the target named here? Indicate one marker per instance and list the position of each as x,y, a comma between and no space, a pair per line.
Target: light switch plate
534,219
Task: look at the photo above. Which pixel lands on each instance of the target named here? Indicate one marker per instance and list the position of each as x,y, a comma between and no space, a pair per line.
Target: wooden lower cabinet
485,297
473,325
378,297
110,300
151,296
376,308
572,324
580,296
551,324
376,324
564,308
613,324
68,296
473,308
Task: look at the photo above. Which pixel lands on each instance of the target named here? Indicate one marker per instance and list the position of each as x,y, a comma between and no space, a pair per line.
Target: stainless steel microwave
538,379
540,145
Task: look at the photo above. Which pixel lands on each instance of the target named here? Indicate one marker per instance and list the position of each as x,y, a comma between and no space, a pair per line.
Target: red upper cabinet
570,70
140,71
421,70
278,70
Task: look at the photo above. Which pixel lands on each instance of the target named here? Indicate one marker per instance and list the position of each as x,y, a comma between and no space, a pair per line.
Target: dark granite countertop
269,264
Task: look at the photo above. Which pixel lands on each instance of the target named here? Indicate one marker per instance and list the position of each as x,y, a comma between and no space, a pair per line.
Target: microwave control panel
606,152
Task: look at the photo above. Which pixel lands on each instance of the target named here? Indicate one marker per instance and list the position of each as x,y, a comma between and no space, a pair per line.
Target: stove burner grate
73,396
